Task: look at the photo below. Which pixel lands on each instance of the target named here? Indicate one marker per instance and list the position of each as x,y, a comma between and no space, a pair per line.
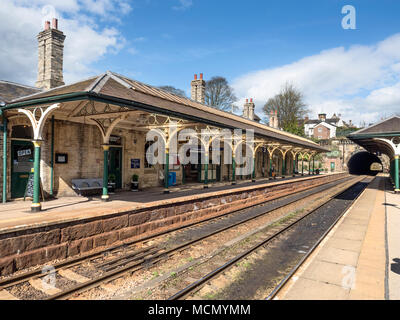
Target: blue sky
231,38
256,45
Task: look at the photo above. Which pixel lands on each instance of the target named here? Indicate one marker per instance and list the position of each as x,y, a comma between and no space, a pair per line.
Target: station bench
87,186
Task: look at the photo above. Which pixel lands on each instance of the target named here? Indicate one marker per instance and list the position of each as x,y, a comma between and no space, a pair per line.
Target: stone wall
27,247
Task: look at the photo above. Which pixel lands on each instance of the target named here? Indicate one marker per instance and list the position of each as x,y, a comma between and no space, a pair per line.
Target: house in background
322,128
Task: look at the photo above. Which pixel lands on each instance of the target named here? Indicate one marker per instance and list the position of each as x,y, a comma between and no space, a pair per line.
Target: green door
115,165
332,166
21,165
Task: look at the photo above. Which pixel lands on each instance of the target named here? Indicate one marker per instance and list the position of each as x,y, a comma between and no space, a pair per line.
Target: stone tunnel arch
361,162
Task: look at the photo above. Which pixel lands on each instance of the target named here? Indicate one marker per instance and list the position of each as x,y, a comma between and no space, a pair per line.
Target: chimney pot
195,77
247,100
251,99
55,23
201,76
47,25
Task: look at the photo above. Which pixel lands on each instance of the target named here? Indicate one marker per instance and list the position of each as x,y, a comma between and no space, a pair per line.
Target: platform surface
360,257
17,215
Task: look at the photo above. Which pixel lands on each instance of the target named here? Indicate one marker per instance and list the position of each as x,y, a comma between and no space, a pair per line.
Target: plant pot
111,186
134,185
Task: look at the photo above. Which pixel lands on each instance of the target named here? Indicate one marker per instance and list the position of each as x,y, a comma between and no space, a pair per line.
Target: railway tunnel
364,163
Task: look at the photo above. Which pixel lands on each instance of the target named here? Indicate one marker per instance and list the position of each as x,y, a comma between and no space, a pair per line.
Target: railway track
85,272
275,234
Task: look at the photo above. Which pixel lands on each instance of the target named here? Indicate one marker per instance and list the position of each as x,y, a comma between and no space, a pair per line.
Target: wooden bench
87,186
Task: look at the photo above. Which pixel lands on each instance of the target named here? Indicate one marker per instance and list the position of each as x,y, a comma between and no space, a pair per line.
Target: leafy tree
219,94
290,106
174,90
344,131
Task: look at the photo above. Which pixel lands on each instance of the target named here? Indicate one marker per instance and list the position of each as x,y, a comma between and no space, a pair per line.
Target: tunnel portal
361,162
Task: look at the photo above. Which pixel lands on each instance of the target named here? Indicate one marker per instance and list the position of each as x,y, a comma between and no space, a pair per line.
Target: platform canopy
382,137
110,94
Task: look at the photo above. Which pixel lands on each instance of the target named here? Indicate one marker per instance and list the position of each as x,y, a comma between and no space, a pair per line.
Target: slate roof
111,86
10,90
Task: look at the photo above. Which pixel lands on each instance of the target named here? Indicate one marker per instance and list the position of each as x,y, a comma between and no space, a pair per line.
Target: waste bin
171,179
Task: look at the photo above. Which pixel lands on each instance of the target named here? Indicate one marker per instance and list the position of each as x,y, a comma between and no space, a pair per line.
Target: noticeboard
135,163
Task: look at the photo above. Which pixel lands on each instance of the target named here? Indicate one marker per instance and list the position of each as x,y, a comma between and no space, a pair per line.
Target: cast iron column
105,197
4,160
206,171
254,168
166,171
396,174
36,205
233,170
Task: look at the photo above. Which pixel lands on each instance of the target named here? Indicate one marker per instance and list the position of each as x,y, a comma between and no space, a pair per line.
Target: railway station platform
360,257
72,226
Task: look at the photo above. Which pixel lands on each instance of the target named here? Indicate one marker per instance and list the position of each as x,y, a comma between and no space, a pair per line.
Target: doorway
22,153
115,165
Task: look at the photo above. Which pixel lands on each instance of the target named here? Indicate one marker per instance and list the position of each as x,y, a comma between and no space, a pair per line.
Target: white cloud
86,41
183,5
359,82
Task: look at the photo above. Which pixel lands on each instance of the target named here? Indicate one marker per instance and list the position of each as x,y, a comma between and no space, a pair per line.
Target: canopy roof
10,90
112,94
383,137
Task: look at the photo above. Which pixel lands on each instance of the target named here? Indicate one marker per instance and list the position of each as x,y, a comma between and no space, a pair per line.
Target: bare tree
219,94
174,90
291,108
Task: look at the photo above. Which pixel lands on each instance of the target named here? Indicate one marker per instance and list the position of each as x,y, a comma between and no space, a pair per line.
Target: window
320,129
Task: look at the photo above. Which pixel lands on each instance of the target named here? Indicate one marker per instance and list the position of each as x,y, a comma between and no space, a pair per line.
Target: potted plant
111,182
135,183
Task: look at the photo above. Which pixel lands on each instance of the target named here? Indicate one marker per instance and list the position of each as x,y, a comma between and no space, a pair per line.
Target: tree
219,94
291,108
344,131
173,90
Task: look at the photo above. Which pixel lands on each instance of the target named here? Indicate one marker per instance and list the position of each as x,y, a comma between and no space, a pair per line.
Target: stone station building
96,128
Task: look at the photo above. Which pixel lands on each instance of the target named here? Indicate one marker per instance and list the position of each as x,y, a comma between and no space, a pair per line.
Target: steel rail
282,283
13,280
157,256
212,274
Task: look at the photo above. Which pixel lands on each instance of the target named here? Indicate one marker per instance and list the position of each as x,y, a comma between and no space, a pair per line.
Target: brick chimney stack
198,92
322,116
276,123
51,55
273,119
248,109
